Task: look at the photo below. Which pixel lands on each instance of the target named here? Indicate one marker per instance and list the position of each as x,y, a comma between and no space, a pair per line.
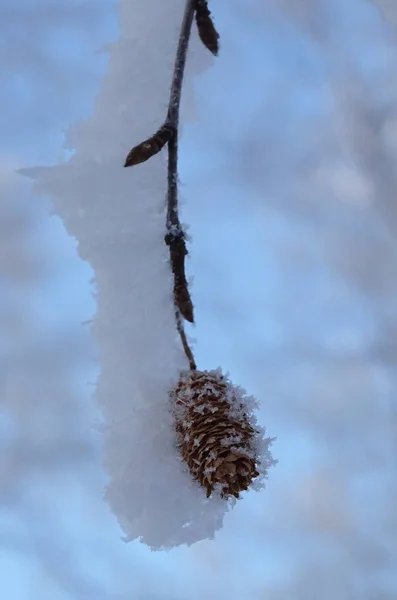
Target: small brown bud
178,252
148,148
206,28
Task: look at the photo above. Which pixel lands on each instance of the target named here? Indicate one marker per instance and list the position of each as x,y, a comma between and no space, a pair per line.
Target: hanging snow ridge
117,216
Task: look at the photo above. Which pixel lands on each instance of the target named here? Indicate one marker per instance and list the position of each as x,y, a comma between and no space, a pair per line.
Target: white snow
117,216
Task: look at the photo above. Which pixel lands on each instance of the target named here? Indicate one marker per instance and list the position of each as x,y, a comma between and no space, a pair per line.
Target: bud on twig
217,434
145,150
178,251
206,28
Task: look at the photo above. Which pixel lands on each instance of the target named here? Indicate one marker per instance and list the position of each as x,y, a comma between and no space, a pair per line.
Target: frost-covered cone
218,436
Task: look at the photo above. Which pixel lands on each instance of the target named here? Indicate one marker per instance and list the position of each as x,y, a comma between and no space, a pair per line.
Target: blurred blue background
289,190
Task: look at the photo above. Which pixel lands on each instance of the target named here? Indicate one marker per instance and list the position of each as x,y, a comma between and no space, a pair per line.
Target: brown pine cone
215,437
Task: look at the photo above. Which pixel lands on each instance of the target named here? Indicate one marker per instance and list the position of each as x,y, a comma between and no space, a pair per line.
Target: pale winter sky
289,188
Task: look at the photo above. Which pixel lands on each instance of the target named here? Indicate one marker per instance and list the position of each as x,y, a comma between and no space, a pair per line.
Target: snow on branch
165,488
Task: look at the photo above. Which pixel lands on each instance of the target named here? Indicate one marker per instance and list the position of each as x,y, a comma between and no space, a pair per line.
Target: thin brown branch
175,237
185,344
168,135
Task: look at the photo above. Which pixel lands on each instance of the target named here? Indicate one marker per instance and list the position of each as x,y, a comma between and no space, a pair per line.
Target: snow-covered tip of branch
150,147
218,436
206,28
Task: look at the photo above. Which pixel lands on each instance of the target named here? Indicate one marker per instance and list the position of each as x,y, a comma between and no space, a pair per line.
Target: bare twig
178,251
168,134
